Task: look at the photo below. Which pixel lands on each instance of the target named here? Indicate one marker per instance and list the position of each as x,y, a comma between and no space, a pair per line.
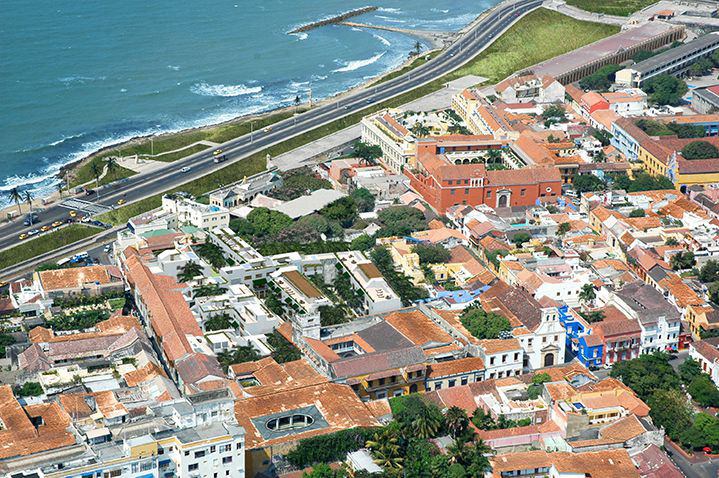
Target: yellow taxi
120,202
45,228
22,236
57,224
217,151
73,213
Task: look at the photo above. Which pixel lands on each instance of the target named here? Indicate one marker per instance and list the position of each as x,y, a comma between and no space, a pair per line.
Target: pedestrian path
84,206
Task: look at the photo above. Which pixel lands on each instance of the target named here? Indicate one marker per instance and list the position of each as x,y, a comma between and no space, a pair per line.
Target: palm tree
417,47
427,424
420,130
96,171
27,195
385,449
16,197
493,156
297,102
111,164
189,271
479,462
459,452
587,294
457,421
60,188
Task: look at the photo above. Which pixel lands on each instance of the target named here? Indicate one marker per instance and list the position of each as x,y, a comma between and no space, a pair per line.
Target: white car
185,169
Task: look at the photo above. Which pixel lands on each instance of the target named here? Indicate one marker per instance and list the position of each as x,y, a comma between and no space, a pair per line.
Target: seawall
335,19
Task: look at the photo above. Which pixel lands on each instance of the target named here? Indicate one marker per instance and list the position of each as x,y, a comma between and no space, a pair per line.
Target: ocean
78,76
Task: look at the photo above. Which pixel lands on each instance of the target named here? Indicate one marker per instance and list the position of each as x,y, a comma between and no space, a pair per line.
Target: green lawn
622,8
421,60
540,35
173,141
170,157
47,242
84,174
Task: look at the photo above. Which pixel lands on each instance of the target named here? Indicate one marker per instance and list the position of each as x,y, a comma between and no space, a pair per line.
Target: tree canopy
700,150
588,183
665,89
484,325
600,80
400,221
369,153
432,253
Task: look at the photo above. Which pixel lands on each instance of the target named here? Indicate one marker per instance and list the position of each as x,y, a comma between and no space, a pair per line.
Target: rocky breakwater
332,20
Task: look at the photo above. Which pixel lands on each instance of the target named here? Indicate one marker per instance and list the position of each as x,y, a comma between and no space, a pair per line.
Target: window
504,358
466,190
491,360
437,385
451,191
225,448
199,454
287,422
192,467
464,381
187,453
522,191
489,194
419,373
213,448
226,460
516,356
239,445
381,395
452,383
381,381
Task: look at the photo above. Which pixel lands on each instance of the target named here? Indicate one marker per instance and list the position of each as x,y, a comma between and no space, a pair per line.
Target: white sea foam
80,79
391,20
65,138
357,64
437,10
384,41
355,29
300,35
389,10
204,89
319,77
297,85
173,67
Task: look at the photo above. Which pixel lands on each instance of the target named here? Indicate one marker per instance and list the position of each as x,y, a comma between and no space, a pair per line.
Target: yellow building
403,257
701,319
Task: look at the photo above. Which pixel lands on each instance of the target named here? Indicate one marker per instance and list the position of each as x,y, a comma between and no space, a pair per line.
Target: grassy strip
540,35
84,174
173,141
45,243
421,60
170,157
621,8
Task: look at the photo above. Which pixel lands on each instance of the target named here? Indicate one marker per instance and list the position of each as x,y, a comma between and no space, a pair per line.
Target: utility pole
252,130
310,97
152,146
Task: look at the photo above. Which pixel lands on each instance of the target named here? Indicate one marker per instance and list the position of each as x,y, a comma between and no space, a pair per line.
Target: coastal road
140,186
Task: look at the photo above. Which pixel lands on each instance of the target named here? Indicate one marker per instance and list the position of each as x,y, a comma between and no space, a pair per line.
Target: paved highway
140,186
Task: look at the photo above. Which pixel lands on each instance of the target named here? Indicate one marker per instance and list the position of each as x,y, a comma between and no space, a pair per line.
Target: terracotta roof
520,304
418,328
455,367
615,462
496,346
143,374
337,403
78,277
19,437
170,316
617,432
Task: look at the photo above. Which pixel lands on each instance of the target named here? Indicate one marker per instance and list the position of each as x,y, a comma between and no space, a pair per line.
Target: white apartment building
502,357
194,213
397,142
658,319
379,298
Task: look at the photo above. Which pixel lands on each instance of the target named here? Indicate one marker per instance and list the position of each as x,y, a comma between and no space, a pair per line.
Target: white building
658,319
194,213
530,88
397,142
706,353
502,357
379,298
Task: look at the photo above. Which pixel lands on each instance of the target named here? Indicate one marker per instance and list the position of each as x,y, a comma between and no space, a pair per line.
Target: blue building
588,348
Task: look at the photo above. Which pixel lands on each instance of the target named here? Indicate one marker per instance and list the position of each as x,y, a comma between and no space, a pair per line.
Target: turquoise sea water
79,75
